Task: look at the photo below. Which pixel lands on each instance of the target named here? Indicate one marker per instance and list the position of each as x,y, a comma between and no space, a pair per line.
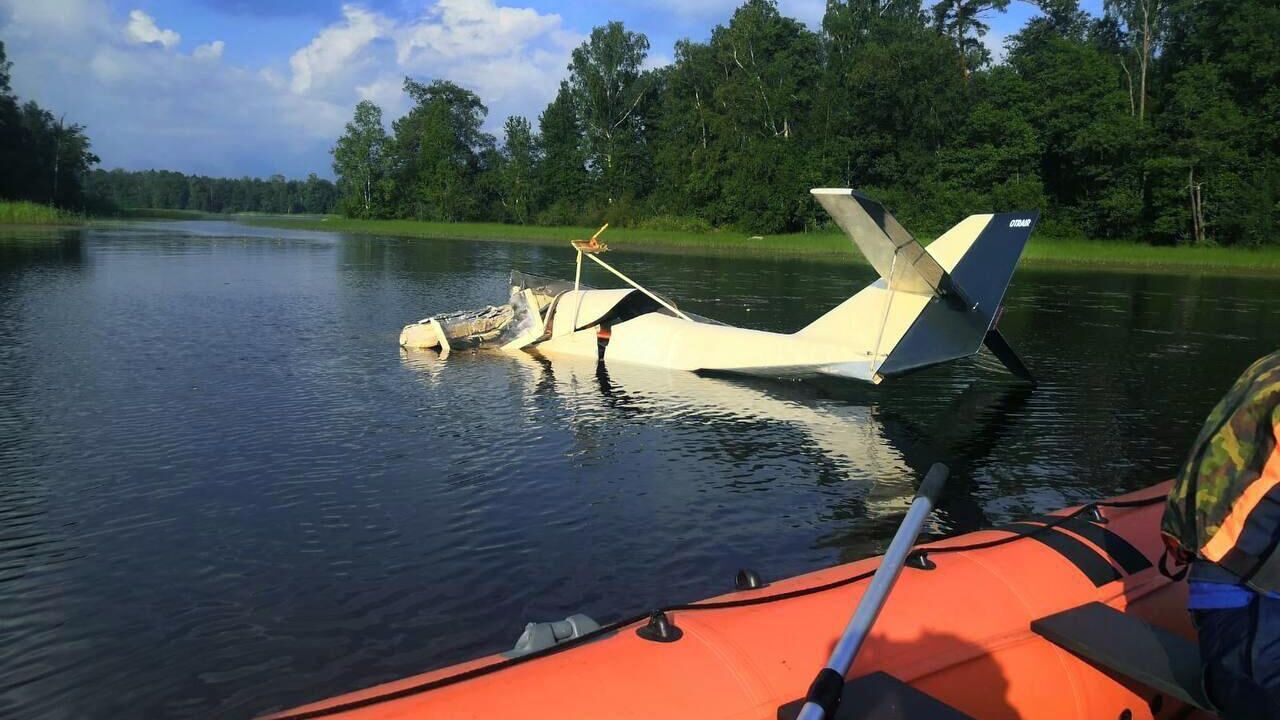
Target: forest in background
1158,121
168,190
45,160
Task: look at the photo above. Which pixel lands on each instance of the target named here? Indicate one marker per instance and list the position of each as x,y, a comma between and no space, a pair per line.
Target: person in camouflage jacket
1223,517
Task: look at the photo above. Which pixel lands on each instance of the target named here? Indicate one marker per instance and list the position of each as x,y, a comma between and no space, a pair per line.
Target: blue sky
255,87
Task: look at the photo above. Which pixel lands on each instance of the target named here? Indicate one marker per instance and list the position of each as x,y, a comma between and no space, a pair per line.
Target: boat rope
1049,524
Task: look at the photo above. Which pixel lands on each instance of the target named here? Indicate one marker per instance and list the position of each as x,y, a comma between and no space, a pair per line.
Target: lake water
225,490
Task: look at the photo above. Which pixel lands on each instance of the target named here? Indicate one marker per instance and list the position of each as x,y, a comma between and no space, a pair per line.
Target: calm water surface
224,489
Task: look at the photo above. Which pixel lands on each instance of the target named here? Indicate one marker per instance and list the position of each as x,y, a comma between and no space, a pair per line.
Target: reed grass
29,213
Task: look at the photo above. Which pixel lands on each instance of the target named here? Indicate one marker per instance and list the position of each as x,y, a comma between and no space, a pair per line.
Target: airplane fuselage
665,340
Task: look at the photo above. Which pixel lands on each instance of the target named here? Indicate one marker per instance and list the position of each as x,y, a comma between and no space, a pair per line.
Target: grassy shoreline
29,213
818,245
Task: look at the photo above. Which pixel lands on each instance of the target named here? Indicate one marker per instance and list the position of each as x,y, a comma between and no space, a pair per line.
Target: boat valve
660,629
748,579
919,559
540,636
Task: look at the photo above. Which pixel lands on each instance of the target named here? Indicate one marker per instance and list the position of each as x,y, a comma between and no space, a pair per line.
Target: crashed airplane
930,305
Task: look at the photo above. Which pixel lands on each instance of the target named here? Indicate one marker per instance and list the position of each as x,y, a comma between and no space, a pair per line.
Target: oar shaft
864,617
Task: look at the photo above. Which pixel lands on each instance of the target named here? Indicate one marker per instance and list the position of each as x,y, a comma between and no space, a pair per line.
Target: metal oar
824,693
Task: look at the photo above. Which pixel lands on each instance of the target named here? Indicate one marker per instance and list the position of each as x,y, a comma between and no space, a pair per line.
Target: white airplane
929,306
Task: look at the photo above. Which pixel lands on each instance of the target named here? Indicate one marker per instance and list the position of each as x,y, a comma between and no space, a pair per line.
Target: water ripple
223,490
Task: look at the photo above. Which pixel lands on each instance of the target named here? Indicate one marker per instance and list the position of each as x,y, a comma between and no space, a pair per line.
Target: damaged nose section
465,328
511,326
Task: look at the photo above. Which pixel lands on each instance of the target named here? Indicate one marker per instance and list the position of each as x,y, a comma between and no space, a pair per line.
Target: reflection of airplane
855,441
753,420
930,305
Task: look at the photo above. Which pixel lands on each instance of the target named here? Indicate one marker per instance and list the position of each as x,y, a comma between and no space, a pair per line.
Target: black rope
688,607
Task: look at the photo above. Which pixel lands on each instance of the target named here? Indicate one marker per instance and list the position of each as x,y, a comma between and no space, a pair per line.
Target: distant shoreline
824,245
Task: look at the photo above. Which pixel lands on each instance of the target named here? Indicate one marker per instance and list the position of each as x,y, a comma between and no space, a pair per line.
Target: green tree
519,162
1157,120
42,157
766,83
688,163
318,196
1093,151
563,171
360,162
1207,160
963,22
439,145
10,132
993,161
609,89
1144,24
888,105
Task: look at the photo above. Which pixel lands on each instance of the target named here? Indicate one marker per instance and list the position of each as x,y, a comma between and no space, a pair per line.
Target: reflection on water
223,489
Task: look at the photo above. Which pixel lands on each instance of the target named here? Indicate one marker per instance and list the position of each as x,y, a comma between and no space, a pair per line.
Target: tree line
46,160
169,190
42,157
1159,120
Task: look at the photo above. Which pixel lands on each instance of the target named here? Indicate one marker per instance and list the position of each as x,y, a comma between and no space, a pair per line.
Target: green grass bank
161,214
822,245
29,213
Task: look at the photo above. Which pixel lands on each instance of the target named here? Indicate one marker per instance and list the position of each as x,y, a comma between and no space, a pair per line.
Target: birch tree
1144,23
359,161
609,88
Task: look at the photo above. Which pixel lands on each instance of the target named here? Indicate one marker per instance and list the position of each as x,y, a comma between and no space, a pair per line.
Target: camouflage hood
1228,458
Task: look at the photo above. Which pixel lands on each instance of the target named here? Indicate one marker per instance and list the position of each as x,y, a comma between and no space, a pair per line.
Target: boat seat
881,696
1128,647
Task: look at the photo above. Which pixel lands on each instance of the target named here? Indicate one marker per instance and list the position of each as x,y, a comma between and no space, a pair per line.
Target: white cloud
209,51
387,93
53,18
512,57
335,47
471,28
142,30
197,112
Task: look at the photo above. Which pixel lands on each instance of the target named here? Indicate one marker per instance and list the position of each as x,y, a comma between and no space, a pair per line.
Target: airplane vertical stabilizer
955,325
931,304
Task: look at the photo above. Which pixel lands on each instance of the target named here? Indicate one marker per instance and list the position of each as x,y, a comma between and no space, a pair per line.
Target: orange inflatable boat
1060,616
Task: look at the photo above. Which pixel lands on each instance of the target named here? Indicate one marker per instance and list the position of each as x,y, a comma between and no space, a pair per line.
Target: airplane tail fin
938,303
979,256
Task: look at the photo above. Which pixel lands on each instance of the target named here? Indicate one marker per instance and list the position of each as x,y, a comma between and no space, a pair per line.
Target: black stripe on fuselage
1087,560
1130,558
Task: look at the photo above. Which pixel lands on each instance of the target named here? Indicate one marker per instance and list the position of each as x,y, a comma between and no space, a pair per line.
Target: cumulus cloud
335,47
512,57
470,28
142,30
149,104
209,51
